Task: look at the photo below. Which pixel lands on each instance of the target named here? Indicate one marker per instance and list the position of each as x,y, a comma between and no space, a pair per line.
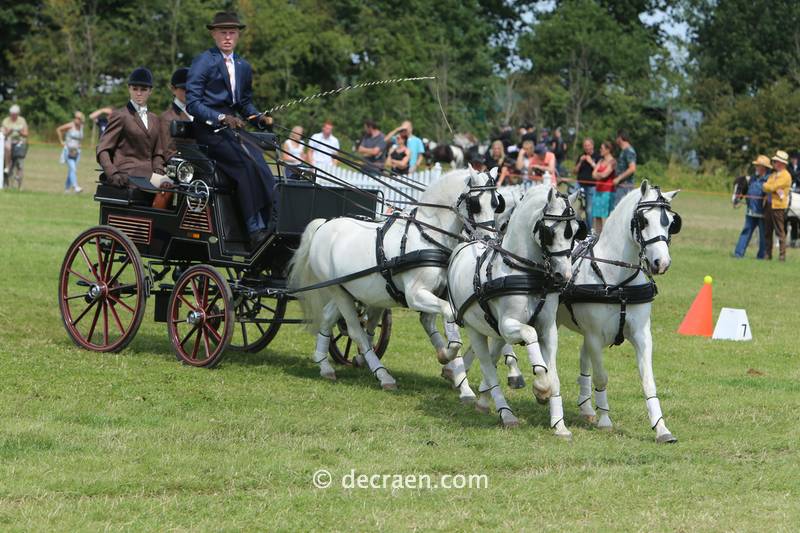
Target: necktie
143,116
232,76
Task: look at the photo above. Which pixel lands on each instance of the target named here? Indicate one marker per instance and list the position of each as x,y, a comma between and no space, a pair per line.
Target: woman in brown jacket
130,145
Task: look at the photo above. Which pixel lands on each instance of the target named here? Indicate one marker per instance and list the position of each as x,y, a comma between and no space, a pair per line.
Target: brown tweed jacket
173,112
128,148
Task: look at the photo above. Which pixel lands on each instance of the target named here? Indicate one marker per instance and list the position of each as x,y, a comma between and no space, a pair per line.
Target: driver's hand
233,122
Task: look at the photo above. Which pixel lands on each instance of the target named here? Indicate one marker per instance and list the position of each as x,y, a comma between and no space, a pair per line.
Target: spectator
603,173
400,154
794,170
505,137
584,167
529,133
70,136
322,146
559,149
372,147
626,167
538,163
15,130
293,153
415,145
754,216
544,136
777,187
100,118
496,157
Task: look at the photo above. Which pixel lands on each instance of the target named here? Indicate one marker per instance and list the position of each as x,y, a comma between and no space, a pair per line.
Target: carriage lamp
185,172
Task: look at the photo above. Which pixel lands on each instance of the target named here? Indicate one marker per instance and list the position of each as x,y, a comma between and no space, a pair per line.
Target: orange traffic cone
699,319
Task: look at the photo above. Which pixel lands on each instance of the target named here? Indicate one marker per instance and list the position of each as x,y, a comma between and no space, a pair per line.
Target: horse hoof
590,419
516,382
467,400
541,401
666,438
607,428
511,424
389,386
481,408
447,374
329,377
563,435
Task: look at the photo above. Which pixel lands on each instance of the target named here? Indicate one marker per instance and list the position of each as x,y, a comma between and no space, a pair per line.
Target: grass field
136,441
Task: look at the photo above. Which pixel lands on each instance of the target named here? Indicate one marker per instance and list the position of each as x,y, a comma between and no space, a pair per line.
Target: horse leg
548,342
350,313
456,373
585,383
330,313
642,341
424,301
492,385
511,328
515,378
600,379
374,315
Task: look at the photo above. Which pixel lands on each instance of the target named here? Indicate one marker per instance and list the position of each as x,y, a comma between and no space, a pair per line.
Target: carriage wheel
200,316
257,322
343,349
102,291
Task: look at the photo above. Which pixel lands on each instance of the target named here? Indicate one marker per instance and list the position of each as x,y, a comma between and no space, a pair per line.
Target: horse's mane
522,220
447,188
621,215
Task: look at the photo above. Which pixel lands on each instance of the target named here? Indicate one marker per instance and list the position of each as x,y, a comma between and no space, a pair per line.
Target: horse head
652,225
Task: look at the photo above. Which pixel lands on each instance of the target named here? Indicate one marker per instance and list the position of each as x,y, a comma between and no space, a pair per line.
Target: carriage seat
134,195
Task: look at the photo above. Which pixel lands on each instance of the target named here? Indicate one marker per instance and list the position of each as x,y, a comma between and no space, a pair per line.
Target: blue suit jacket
208,87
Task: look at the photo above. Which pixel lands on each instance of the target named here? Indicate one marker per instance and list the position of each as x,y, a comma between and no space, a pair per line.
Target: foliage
752,125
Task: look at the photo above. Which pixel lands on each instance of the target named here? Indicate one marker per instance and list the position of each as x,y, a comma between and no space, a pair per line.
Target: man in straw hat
754,216
777,188
218,93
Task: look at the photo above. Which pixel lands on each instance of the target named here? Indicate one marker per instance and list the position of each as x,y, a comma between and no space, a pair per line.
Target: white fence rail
363,181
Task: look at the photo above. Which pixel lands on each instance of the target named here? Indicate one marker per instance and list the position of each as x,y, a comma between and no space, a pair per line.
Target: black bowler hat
141,76
225,20
179,78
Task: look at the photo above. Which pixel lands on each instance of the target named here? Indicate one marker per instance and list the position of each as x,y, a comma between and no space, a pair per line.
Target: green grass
137,441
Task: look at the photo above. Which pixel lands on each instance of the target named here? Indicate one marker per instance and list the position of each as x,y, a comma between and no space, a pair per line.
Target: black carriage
211,288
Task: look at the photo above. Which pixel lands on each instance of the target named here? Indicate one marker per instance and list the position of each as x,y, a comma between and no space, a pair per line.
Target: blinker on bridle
547,233
639,220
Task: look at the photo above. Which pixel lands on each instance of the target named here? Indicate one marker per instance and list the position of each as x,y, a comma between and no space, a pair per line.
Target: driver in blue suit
219,93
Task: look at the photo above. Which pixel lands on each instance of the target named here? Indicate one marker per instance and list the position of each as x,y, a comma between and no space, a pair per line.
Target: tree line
589,66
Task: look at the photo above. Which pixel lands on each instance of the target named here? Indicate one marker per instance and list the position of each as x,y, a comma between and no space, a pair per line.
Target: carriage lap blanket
128,147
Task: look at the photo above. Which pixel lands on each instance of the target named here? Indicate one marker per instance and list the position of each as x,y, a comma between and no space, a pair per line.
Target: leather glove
233,122
118,180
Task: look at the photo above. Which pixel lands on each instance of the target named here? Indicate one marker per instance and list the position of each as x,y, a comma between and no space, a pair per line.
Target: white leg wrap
437,340
654,411
585,393
452,332
536,359
321,350
601,399
556,410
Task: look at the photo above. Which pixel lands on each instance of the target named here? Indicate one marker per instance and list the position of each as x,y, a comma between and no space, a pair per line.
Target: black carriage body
216,234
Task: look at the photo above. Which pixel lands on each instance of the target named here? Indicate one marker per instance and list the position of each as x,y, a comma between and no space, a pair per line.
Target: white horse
343,246
524,310
637,234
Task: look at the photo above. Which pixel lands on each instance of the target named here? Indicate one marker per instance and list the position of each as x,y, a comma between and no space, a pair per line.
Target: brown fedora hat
225,20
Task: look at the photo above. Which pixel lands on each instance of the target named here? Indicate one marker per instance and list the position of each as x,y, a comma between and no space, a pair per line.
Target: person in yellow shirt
777,189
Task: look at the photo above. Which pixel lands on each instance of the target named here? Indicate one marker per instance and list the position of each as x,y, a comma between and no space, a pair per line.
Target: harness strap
620,338
380,258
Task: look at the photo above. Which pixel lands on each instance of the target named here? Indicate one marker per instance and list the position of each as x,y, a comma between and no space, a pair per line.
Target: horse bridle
546,233
639,221
473,204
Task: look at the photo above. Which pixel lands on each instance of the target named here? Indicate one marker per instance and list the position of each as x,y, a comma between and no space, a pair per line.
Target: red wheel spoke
108,262
197,299
80,276
213,332
205,292
191,306
206,344
209,317
196,343
124,265
120,302
117,320
89,263
186,338
101,265
208,307
88,307
105,323
67,298
94,323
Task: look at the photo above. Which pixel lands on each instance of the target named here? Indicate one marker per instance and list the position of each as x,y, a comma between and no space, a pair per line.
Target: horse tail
302,275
